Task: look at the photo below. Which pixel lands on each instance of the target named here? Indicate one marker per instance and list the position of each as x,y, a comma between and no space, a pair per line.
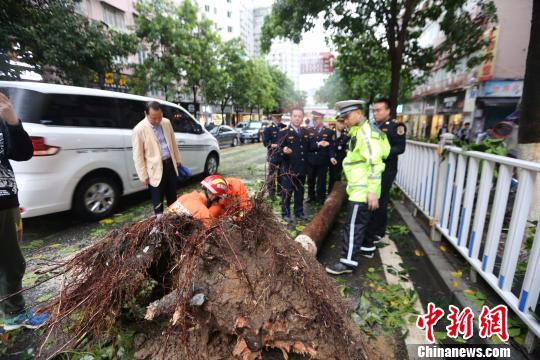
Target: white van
82,147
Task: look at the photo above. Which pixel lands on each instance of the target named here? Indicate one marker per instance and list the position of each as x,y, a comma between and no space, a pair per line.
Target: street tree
529,121
220,89
394,27
180,48
284,92
261,86
50,38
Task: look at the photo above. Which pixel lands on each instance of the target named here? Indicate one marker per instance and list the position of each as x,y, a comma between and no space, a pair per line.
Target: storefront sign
485,72
502,88
451,103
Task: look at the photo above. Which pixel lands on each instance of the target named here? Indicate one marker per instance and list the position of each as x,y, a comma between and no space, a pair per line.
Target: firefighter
220,197
363,166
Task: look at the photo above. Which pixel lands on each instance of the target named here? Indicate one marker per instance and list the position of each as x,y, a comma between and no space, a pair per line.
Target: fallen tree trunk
316,231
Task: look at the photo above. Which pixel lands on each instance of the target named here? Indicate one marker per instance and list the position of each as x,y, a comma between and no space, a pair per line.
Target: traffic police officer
294,144
270,141
319,159
340,145
395,132
363,166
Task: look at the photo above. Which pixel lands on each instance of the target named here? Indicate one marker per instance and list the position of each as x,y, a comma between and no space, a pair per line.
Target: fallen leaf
455,284
106,221
443,248
469,292
371,269
456,274
418,252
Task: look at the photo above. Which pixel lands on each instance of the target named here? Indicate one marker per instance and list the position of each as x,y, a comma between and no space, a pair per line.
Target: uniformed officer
320,159
294,144
270,141
363,166
340,145
395,132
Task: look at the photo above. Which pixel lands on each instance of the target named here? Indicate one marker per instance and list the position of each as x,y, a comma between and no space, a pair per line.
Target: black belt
166,161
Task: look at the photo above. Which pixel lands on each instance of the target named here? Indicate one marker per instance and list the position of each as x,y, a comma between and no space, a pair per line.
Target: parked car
241,125
226,135
252,132
83,158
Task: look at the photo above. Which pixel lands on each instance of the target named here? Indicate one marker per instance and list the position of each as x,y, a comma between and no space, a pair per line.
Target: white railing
460,205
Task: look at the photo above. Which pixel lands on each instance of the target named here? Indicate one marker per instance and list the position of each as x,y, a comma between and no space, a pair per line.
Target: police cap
345,107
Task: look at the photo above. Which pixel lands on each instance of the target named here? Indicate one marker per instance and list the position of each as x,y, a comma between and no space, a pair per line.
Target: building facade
482,96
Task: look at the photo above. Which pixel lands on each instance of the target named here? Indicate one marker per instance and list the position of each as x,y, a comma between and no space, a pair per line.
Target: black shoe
367,254
377,239
338,269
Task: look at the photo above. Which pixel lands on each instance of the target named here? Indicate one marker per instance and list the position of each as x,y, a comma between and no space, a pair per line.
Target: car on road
241,125
226,135
83,158
252,132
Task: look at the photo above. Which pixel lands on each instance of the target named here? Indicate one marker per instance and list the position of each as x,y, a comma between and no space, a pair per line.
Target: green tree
180,47
283,91
221,87
55,41
261,86
392,27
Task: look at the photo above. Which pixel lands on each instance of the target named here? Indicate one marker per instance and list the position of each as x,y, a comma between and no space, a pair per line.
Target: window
215,10
79,110
113,16
130,112
229,1
207,8
229,29
181,121
225,129
229,14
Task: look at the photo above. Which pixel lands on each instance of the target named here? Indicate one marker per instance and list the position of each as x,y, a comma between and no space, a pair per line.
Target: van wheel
211,165
234,142
96,198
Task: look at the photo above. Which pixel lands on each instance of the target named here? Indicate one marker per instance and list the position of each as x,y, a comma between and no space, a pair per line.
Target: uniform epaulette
284,129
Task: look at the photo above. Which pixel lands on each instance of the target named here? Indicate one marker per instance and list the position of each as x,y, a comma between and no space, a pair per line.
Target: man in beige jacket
156,155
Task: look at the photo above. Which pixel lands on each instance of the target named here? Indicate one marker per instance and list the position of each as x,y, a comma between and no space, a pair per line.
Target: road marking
390,257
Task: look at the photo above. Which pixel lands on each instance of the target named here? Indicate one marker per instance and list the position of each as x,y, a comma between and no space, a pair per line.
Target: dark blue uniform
340,147
318,161
396,133
294,167
271,136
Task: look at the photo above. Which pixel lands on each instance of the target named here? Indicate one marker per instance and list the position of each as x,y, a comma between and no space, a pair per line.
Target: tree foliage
180,48
50,38
393,28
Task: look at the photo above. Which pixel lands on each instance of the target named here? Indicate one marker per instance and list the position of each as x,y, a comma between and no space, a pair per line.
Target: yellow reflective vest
364,163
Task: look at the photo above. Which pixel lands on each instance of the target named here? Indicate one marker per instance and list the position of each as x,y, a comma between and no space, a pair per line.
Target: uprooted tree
234,289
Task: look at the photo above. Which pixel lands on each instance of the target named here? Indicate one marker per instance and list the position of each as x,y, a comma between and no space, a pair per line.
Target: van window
80,110
27,104
181,121
130,112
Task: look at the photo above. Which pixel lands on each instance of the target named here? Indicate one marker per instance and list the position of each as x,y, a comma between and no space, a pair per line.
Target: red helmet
216,184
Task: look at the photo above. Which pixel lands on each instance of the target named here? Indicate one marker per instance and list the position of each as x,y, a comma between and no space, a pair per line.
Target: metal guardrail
471,199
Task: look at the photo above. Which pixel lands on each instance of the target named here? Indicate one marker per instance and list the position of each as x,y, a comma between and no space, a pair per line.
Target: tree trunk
395,61
529,121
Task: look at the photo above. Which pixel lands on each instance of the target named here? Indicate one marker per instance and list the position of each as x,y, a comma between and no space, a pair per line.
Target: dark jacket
15,144
301,145
271,136
397,136
321,155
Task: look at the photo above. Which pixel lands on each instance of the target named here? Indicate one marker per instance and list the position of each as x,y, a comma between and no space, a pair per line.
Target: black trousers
379,219
12,264
292,184
165,189
316,180
336,172
354,232
272,179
